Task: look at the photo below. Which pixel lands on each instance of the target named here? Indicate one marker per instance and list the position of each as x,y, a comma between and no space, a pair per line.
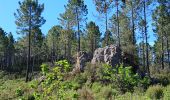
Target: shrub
44,68
71,95
31,97
2,74
19,92
54,85
155,92
167,93
107,92
162,79
124,78
96,87
92,72
85,94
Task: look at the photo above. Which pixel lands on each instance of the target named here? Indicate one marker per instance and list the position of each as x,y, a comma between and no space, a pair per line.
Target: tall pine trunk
168,51
78,29
29,46
117,13
162,46
146,40
133,24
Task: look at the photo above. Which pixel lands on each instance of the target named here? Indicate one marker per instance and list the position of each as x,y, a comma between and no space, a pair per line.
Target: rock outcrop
110,55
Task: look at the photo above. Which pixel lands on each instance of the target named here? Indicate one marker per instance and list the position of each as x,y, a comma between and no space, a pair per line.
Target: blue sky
51,12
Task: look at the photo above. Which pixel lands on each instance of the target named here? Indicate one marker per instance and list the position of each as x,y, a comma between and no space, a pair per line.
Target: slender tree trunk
78,29
65,49
162,40
146,39
33,65
167,43
29,46
117,5
69,48
107,35
133,25
92,45
106,20
52,51
162,61
38,60
143,50
0,63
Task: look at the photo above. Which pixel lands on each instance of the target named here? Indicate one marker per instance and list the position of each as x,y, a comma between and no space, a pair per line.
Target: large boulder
110,55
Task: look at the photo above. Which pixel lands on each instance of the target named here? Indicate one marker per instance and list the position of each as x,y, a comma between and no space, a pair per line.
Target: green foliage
107,39
64,65
53,82
44,68
71,95
167,93
19,92
85,94
96,87
13,89
122,77
23,15
107,92
155,92
93,36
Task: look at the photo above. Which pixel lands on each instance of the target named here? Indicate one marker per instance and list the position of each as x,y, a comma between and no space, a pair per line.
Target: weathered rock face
109,55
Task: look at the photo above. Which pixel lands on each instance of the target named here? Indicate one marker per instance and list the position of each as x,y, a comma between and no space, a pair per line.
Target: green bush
2,74
44,68
19,92
107,92
96,87
31,97
123,77
54,85
85,94
167,93
71,95
155,92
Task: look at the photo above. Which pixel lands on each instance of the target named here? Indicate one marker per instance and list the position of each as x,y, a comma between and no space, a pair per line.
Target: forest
78,59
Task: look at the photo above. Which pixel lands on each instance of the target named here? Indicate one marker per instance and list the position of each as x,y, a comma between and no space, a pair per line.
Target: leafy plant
155,92
167,93
44,69
123,77
53,82
19,92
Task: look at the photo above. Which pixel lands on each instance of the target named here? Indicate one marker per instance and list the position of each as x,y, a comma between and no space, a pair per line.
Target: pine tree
104,7
68,37
10,52
93,36
161,23
53,39
3,48
28,18
80,10
142,44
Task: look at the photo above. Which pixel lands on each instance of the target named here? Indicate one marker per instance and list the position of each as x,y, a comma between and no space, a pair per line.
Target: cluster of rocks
111,55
